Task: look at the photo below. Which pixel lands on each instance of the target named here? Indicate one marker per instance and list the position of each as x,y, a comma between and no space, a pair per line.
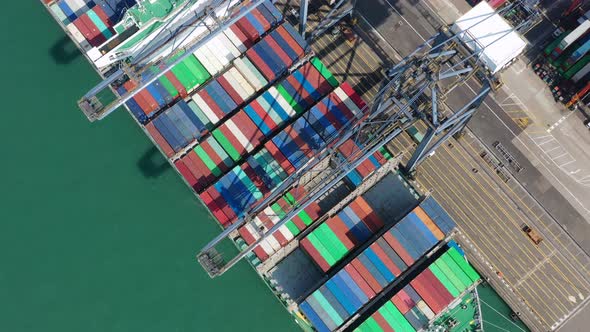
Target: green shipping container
331,241
444,280
289,99
577,66
440,263
460,260
456,269
184,76
197,69
207,161
199,113
328,308
402,322
325,72
248,183
318,245
227,146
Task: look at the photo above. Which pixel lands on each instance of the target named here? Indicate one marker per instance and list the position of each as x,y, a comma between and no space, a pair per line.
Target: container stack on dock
376,267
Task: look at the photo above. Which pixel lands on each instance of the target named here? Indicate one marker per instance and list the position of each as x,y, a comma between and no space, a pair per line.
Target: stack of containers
67,11
266,219
209,60
239,136
370,271
341,233
427,295
268,55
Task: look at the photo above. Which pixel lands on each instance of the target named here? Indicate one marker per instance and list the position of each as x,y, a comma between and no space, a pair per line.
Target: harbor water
98,232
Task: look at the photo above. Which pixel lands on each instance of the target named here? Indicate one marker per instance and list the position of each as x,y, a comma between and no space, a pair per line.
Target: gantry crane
414,89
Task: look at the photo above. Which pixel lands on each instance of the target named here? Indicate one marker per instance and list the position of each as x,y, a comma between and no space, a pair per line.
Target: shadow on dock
151,164
64,51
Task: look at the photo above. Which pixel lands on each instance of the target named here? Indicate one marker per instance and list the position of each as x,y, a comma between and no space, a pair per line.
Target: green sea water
97,232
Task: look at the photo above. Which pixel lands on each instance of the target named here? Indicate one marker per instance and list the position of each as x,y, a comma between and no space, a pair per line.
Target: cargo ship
238,116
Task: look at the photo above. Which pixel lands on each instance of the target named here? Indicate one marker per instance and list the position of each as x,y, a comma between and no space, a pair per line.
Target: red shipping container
168,151
199,170
348,149
213,155
79,23
313,210
342,232
445,298
215,209
104,18
235,96
299,141
260,64
385,259
233,140
398,248
263,114
383,324
287,37
211,103
241,36
358,279
279,157
278,50
403,302
258,16
255,178
221,203
139,99
301,90
176,83
314,254
366,214
426,294
367,276
96,36
353,95
248,29
248,128
186,173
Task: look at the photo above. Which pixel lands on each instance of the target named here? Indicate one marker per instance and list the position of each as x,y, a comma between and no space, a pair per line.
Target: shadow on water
151,164
64,51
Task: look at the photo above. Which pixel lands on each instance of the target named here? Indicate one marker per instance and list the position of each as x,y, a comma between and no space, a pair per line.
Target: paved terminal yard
547,283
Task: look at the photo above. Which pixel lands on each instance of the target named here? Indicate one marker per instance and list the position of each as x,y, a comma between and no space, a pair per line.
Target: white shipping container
251,74
212,69
235,40
229,45
245,87
574,35
221,50
212,57
205,108
58,13
77,6
425,310
219,56
347,101
235,130
78,37
281,101
581,73
235,84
